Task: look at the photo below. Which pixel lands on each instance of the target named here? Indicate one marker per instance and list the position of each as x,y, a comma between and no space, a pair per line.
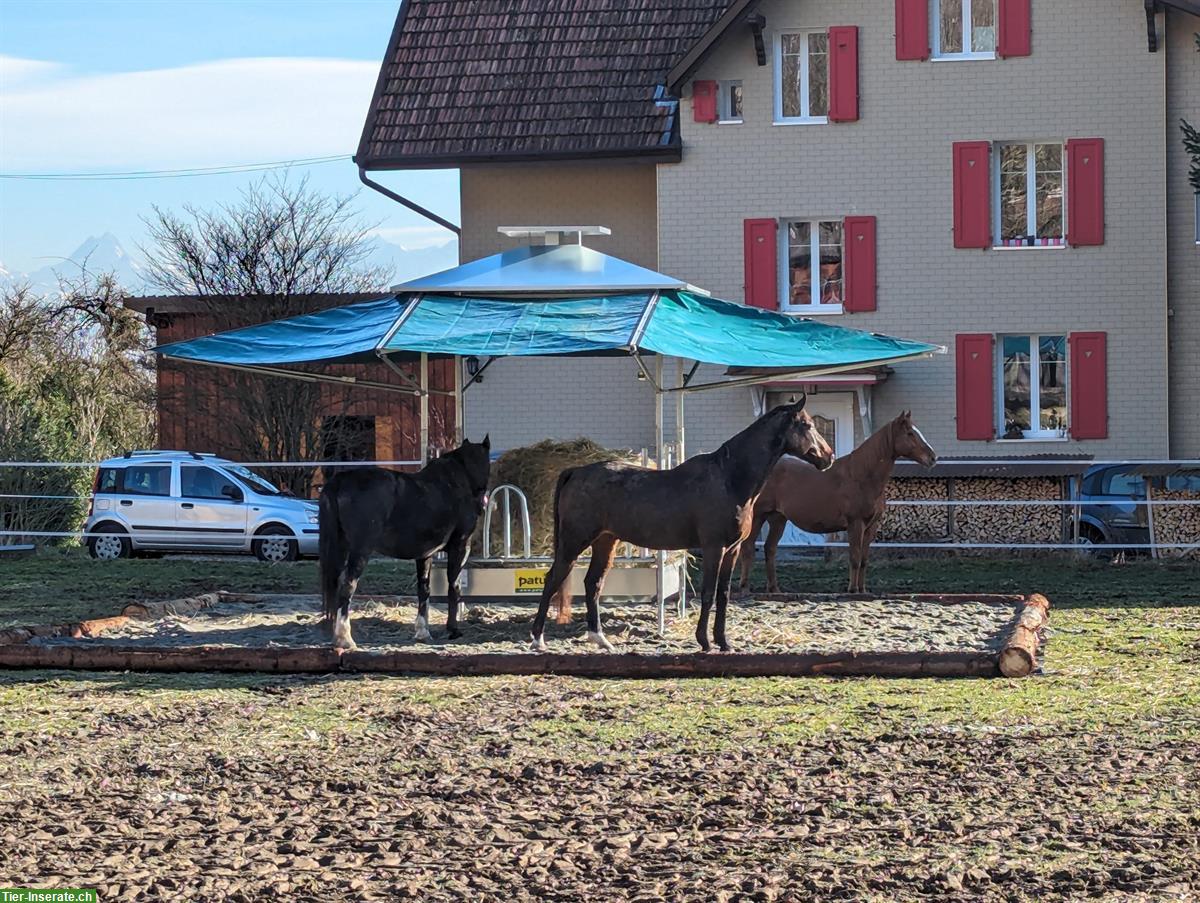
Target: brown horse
706,502
848,496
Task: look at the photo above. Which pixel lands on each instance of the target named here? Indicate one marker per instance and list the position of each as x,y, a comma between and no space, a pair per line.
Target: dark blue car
1122,518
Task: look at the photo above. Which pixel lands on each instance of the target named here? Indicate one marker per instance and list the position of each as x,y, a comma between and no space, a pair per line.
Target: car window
147,479
1185,482
251,479
204,483
1127,484
108,480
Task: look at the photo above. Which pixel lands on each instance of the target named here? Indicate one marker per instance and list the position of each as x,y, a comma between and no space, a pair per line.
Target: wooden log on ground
1018,658
97,626
149,611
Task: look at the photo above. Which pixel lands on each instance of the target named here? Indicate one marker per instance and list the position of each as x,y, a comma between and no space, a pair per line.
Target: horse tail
563,478
331,548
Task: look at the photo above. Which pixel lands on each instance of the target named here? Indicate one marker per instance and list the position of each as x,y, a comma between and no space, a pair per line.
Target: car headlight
312,517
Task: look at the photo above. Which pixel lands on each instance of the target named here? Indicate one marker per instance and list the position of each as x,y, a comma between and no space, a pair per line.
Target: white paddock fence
11,536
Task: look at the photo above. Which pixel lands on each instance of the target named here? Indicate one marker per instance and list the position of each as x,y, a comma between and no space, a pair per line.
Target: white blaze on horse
851,495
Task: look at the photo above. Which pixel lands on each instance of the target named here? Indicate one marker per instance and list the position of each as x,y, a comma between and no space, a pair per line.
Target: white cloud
228,111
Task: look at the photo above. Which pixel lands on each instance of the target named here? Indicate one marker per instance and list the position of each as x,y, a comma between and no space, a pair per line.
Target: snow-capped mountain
103,254
106,254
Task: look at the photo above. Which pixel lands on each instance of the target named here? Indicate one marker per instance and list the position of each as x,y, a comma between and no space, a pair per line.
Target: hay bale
534,470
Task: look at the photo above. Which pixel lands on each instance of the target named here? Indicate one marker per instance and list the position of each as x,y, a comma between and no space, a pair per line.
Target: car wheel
111,543
275,544
1091,542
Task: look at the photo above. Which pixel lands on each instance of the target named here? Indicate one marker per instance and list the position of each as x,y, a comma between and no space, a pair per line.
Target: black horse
369,510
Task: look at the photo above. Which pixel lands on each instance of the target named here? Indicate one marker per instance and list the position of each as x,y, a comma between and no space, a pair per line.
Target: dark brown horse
706,502
848,496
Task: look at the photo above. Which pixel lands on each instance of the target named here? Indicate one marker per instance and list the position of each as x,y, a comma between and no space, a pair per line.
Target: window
205,483
108,480
802,77
1033,386
964,29
1029,188
151,479
729,102
807,287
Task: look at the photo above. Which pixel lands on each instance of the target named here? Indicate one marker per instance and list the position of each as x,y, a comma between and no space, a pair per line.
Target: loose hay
534,470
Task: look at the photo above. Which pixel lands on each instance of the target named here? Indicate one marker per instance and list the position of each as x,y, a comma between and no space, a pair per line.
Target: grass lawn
1080,783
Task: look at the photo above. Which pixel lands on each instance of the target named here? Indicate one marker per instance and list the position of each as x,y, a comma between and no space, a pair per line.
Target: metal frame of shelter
550,275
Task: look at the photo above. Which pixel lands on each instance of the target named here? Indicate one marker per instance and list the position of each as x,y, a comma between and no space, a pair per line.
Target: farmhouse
1005,177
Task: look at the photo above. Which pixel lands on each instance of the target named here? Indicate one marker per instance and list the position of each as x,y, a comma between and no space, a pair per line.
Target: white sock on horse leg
341,634
422,629
597,639
537,643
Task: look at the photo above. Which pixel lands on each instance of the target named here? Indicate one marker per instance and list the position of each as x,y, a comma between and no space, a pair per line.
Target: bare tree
268,255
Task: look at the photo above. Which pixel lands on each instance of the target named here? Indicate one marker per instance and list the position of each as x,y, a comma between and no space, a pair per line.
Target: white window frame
814,306
1030,196
935,21
725,114
780,119
1035,388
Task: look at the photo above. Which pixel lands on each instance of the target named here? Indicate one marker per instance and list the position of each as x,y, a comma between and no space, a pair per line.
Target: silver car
170,501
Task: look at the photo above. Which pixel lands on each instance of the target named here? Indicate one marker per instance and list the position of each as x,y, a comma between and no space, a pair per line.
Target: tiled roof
529,79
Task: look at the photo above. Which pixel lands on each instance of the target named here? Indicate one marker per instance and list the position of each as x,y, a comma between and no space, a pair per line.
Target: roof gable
530,79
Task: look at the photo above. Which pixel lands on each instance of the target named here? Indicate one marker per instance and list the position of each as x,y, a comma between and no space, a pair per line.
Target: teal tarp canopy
675,323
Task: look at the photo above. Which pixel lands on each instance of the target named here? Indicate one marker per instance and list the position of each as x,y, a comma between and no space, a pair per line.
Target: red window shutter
843,73
1088,353
704,101
858,261
762,270
975,390
912,29
1085,191
972,194
1016,29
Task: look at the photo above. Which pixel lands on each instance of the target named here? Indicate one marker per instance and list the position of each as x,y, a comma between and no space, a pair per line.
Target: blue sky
165,84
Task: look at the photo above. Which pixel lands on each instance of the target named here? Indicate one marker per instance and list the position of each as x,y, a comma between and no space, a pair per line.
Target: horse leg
724,575
868,537
746,553
456,557
855,536
422,634
604,550
355,565
776,524
565,553
711,556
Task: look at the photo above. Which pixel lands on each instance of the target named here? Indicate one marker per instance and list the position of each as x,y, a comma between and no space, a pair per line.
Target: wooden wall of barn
196,407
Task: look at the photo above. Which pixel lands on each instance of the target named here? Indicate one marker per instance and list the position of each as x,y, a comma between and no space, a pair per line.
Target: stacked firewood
1009,523
916,523
1176,524
974,523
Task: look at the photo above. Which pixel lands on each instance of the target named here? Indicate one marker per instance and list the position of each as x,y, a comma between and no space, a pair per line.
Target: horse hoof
725,647
453,634
345,646
423,636
537,644
598,640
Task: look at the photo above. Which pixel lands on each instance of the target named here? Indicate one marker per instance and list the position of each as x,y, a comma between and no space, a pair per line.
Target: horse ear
487,441
799,405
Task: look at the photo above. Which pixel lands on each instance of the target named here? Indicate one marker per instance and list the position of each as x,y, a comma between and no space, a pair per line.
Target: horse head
476,460
802,439
909,443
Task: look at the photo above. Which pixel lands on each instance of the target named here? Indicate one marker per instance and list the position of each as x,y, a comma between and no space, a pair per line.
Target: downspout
411,205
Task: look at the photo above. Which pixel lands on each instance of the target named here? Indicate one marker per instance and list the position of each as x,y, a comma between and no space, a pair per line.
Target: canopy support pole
680,456
660,576
459,398
424,402
797,375
344,381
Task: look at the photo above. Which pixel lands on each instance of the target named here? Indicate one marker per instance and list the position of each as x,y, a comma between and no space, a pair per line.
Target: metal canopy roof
544,270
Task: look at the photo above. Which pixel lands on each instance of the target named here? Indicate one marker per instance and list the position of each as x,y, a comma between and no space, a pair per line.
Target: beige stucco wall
1090,76
524,400
1183,254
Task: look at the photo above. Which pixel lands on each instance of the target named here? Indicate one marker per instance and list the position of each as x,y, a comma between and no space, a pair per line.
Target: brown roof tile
522,79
